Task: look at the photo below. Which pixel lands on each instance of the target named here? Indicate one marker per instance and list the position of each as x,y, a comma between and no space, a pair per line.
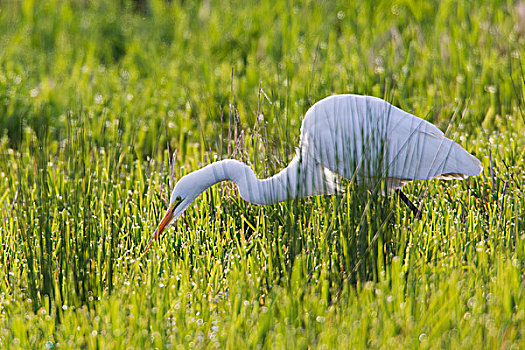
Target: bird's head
192,185
183,195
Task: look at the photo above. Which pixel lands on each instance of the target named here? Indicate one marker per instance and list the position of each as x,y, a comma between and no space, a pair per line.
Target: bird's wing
417,150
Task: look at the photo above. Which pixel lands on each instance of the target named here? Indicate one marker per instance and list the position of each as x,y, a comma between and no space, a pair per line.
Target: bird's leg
404,198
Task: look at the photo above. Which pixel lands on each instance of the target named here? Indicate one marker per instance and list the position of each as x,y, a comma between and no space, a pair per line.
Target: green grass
90,89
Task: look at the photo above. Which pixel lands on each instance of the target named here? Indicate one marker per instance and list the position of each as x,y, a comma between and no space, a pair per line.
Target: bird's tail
460,164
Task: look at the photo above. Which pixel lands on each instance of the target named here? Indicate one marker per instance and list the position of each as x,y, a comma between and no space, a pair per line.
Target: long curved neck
278,188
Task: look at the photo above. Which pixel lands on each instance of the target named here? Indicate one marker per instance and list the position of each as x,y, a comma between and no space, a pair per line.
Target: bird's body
369,138
356,137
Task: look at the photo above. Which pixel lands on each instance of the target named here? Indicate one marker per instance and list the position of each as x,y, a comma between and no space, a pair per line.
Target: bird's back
348,132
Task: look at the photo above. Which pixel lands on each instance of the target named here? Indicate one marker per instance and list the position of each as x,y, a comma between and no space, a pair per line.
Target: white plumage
357,137
345,132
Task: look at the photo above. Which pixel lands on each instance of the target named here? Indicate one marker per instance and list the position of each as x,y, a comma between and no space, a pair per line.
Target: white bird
357,137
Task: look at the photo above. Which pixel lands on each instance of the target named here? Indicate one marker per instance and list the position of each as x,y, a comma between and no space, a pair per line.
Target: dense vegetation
103,105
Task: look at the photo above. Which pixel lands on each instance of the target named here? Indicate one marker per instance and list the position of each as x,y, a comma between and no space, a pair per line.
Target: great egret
357,137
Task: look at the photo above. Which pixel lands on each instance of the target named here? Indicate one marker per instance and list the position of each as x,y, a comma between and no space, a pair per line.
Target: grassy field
92,93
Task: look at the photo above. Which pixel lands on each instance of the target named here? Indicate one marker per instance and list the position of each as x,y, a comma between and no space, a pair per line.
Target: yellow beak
162,226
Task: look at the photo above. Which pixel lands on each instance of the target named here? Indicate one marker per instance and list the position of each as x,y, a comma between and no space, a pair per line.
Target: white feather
351,136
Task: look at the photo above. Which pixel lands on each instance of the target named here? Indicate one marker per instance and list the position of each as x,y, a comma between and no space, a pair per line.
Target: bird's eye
178,199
